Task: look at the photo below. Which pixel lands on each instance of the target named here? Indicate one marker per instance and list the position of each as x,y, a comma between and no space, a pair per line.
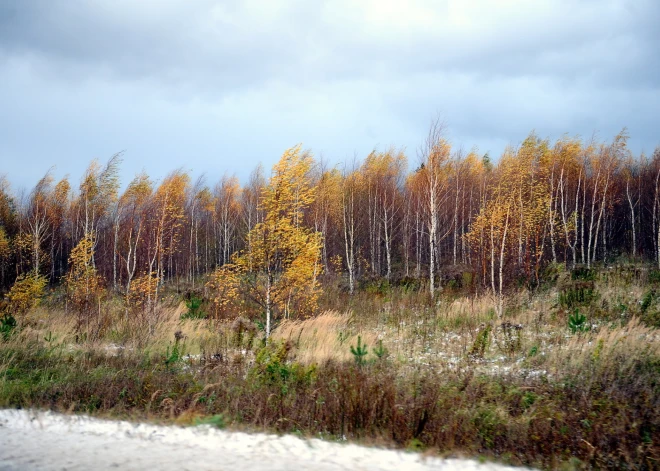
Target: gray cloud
222,85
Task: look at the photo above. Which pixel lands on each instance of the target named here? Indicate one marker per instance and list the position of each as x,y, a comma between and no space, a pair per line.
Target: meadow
568,377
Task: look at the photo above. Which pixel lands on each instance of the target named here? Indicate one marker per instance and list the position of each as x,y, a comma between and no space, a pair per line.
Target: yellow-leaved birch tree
284,261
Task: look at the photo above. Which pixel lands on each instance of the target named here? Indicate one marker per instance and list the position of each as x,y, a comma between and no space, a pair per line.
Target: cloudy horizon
217,87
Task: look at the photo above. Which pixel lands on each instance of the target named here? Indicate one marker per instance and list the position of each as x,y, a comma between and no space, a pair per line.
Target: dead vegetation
557,381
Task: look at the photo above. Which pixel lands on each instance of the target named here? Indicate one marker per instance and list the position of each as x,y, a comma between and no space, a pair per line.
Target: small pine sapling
359,352
380,351
577,322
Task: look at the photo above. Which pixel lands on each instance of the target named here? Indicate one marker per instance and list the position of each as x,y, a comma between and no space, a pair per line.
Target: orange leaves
290,189
142,291
227,194
326,207
513,224
224,289
138,191
170,197
83,284
384,168
284,257
169,204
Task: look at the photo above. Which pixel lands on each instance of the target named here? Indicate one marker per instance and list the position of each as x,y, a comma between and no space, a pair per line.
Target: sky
220,86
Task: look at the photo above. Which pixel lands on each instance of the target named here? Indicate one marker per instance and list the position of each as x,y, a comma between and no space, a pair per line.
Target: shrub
551,272
194,305
174,356
577,294
611,402
654,276
380,351
360,352
481,342
26,293
583,274
647,300
409,284
7,326
272,369
376,286
577,322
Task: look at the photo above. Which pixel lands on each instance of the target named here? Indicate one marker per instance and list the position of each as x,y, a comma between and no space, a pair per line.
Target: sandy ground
32,440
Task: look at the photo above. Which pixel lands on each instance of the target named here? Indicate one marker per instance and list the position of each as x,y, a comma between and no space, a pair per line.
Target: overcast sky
215,86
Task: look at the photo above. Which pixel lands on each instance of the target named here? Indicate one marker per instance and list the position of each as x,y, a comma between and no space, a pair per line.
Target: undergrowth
569,376
537,421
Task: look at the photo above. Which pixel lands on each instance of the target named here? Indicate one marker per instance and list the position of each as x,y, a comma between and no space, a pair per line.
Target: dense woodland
496,220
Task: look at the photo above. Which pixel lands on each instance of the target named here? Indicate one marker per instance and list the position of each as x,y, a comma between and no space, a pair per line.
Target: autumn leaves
279,269
258,249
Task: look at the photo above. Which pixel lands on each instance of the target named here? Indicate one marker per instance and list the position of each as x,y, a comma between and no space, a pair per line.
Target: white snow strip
31,440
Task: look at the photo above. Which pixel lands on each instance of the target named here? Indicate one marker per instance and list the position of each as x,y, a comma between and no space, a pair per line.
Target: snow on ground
31,440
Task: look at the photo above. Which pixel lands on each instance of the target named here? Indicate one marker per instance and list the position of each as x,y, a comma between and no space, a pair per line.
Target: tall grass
444,374
606,416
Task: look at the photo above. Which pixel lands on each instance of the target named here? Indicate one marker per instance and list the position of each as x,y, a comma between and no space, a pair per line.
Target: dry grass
606,347
117,328
539,400
324,337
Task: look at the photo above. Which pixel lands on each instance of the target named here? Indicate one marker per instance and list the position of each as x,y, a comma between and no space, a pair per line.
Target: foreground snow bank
31,440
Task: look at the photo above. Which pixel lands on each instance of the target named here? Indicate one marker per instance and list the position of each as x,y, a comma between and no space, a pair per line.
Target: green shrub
528,399
360,352
577,294
649,315
273,369
651,318
174,356
467,278
482,341
452,285
647,300
583,274
551,272
409,284
654,276
489,425
7,326
380,351
195,311
376,286
577,322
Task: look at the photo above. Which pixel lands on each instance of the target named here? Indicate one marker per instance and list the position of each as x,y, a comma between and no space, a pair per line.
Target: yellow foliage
143,290
170,198
138,191
26,293
290,189
224,286
337,263
83,283
283,260
520,200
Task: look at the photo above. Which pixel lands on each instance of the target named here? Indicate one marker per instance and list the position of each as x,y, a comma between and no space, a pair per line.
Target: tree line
572,201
